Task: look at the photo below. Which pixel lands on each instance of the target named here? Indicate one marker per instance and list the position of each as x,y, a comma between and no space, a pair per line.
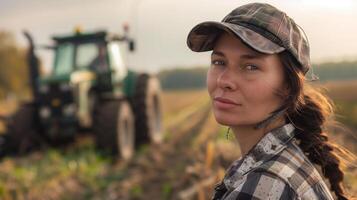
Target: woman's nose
225,80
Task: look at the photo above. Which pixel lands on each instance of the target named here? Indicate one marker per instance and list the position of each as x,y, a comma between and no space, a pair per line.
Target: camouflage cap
261,26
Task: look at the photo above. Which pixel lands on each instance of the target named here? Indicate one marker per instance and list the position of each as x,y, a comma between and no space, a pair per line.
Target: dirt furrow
152,176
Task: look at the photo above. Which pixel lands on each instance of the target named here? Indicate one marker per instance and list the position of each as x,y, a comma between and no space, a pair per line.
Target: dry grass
341,90
175,101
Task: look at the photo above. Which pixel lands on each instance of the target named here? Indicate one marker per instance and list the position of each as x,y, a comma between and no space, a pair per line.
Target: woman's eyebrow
250,56
218,53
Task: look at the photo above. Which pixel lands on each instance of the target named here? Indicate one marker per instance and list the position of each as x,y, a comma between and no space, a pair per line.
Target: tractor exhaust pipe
33,64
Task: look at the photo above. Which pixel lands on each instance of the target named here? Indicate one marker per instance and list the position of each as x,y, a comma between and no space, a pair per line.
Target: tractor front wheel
113,126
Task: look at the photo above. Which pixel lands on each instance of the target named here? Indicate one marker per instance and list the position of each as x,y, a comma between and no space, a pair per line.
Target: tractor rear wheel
22,130
113,126
146,104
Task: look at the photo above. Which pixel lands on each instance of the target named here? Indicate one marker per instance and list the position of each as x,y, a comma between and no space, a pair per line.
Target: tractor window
86,54
64,59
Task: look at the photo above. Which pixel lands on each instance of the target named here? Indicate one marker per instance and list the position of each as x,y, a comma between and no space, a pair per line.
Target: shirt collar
271,144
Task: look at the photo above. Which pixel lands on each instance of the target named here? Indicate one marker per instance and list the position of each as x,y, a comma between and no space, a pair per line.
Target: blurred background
193,151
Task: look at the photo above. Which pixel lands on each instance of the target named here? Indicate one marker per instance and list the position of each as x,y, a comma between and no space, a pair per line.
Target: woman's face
243,83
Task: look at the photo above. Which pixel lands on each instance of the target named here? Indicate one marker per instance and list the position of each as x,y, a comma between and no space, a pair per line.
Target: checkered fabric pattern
275,168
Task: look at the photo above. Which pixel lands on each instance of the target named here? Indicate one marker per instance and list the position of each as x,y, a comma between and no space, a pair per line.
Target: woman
256,82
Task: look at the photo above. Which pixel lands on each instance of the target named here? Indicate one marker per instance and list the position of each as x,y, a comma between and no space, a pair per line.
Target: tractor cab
86,66
88,56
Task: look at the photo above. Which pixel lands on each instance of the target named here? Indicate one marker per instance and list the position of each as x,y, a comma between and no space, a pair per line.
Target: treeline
180,78
331,71
13,70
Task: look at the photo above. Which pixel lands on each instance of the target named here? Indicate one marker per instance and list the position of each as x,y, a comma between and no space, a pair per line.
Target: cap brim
203,36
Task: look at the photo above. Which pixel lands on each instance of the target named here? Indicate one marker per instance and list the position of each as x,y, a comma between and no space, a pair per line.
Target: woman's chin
227,122
233,121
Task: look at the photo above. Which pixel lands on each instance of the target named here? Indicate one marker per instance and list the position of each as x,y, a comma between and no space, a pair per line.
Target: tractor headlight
44,89
69,109
45,112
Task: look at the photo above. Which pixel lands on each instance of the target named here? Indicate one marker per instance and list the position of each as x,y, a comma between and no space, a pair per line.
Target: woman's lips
224,103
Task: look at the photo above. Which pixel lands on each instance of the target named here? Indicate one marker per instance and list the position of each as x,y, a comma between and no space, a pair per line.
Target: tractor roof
87,36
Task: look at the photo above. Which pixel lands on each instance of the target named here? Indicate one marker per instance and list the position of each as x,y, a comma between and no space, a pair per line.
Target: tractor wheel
22,130
146,104
113,126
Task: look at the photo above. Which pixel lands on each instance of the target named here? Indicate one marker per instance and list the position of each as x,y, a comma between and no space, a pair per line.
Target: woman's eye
251,67
217,62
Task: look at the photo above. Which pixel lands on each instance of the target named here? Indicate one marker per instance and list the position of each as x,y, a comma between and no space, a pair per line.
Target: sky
160,27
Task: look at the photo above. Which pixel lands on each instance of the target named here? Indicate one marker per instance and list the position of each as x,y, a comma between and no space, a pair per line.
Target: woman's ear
284,91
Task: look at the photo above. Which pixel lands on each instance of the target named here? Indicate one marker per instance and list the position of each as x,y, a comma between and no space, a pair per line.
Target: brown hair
309,110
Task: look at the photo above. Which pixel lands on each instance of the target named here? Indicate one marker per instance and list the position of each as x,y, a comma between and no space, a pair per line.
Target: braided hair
309,110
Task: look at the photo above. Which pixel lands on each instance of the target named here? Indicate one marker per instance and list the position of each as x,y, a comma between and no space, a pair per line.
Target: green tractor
91,89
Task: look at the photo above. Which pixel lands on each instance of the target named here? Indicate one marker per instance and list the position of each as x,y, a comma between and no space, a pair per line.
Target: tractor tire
22,130
113,127
146,103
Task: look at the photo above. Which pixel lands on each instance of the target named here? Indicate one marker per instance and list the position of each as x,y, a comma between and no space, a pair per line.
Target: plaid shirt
275,168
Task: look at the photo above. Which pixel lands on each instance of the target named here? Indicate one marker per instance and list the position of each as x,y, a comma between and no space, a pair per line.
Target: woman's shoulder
267,185
262,185
293,168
